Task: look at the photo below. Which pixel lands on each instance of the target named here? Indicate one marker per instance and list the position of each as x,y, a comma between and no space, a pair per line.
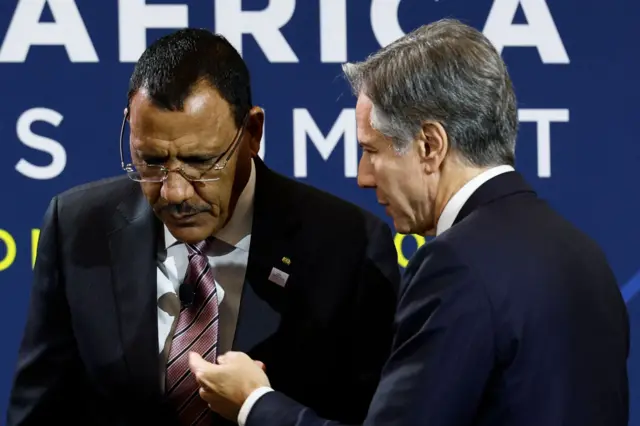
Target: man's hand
226,385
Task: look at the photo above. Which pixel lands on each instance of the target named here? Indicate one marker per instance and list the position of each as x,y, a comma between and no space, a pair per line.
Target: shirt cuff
254,396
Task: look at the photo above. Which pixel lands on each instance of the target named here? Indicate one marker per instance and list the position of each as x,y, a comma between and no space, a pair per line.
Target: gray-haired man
511,316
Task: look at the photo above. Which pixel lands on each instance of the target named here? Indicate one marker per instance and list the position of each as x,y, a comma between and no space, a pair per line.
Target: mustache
183,209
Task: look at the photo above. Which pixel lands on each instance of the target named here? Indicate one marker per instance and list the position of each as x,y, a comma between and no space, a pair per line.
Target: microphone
187,294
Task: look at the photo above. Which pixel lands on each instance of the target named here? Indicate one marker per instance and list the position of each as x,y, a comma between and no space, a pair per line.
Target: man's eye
201,161
366,149
153,161
197,159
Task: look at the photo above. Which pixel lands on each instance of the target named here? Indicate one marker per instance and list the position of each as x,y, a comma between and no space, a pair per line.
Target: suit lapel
273,230
501,186
133,247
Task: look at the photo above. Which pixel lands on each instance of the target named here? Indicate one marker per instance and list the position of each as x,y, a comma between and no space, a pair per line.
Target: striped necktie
196,331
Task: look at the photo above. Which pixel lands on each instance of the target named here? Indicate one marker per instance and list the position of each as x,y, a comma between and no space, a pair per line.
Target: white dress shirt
448,216
453,207
228,256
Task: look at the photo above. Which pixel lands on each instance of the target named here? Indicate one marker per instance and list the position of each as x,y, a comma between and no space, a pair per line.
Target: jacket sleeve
442,356
373,331
48,385
444,347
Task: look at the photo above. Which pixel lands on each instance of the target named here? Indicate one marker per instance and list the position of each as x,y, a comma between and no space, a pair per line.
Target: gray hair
446,72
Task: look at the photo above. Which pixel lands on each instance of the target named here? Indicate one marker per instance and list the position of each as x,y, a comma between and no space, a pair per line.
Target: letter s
40,143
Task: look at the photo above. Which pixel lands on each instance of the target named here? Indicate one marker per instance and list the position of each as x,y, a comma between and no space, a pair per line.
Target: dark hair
173,64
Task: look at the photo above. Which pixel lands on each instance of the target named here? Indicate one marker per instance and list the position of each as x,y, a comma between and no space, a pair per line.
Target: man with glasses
200,248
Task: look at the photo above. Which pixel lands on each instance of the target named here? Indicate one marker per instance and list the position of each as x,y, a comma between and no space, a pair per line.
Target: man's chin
191,233
405,226
401,228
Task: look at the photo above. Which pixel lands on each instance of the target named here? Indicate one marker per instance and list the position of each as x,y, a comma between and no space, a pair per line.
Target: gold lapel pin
286,261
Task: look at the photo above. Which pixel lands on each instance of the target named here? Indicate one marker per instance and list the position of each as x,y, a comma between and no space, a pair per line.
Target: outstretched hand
226,385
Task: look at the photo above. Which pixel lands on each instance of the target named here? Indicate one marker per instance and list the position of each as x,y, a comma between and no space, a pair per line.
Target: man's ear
255,126
432,145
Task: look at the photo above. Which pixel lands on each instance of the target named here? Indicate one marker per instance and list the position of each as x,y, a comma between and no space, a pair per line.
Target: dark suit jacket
90,351
512,317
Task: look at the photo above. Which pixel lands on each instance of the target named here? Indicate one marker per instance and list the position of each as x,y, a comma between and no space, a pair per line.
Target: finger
231,356
197,363
210,375
206,396
203,394
202,382
206,379
213,401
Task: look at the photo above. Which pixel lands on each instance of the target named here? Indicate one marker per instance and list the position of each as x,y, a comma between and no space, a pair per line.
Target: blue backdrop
64,68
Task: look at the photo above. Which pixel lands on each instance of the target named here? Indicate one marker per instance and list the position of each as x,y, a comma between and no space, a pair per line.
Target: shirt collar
236,231
453,207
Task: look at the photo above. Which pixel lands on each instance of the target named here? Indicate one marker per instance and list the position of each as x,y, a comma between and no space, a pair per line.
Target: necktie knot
200,247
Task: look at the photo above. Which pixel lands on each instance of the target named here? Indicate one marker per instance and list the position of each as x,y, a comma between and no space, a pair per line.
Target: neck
454,176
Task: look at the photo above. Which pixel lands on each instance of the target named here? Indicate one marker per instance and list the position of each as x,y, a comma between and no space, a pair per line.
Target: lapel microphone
187,294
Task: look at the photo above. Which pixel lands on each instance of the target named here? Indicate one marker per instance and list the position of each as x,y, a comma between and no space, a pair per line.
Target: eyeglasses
200,172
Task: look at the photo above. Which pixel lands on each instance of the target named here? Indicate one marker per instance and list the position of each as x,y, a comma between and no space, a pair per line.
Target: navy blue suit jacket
511,317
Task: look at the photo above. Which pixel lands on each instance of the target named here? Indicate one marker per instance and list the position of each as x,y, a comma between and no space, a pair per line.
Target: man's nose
176,189
366,178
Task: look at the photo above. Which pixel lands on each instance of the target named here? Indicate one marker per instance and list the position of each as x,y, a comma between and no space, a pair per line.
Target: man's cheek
211,199
151,191
381,176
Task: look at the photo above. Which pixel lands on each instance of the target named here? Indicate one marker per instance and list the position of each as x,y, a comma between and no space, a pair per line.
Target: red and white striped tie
196,331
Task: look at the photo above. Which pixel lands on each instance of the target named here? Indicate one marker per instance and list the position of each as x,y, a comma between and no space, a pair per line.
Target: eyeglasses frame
231,149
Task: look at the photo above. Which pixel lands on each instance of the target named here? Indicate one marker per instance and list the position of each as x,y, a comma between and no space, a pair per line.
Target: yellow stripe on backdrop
404,248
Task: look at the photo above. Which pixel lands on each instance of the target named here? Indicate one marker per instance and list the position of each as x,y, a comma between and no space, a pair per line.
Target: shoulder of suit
515,226
319,202
95,191
96,198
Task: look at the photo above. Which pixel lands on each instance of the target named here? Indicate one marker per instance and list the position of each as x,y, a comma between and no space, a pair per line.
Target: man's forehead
205,115
364,106
202,107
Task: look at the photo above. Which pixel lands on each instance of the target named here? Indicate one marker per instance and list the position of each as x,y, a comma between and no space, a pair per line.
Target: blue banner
65,66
